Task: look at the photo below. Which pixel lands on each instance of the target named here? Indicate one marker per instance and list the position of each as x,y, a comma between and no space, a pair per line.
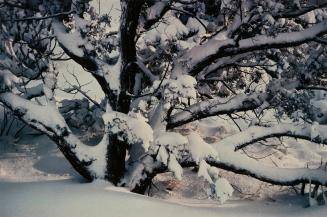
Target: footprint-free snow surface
70,198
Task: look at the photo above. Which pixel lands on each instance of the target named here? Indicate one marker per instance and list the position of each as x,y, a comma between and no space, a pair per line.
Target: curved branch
48,120
241,164
192,15
72,44
230,160
222,63
316,133
65,13
218,106
155,13
202,56
312,88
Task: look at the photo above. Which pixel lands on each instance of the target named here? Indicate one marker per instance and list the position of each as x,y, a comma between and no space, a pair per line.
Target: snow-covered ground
70,198
35,180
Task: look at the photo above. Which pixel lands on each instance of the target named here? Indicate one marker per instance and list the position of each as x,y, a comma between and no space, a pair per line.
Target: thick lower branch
241,164
229,160
48,121
302,176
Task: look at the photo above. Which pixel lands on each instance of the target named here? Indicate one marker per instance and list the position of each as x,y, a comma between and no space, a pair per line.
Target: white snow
174,166
200,149
162,155
111,74
135,130
203,171
73,199
152,12
169,144
181,88
99,163
223,190
170,138
171,28
7,79
314,130
72,41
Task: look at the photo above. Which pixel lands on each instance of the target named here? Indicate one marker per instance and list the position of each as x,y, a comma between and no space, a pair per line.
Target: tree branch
256,133
49,121
201,56
240,164
65,13
229,160
218,106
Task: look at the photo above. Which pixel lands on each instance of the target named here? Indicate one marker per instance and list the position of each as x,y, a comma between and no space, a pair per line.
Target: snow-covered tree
171,62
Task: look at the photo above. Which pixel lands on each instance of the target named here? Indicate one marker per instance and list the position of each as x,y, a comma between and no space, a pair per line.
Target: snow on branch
312,132
217,106
44,118
220,155
199,57
281,39
222,63
155,13
241,164
72,44
87,160
134,130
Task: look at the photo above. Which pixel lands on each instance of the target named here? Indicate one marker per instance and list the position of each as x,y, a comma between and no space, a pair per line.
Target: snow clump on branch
130,129
168,145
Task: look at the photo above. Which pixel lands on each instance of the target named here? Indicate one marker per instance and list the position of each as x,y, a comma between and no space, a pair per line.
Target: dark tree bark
131,10
116,155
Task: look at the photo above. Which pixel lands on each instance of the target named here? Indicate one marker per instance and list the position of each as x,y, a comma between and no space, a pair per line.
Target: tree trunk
116,155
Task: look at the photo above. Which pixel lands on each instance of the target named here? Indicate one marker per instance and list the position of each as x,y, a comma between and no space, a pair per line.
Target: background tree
171,63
